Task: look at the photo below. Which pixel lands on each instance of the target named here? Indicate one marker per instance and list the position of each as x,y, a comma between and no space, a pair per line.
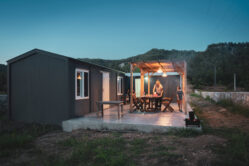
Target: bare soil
219,117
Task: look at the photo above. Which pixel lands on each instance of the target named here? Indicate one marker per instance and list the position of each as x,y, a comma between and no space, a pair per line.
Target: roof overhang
165,66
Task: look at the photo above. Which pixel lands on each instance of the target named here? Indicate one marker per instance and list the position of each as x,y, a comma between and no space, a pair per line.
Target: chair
137,103
166,101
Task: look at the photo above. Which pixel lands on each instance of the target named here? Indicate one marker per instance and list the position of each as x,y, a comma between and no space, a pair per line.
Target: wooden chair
166,101
137,103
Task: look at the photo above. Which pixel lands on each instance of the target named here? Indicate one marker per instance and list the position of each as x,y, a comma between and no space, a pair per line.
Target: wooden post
234,81
185,87
148,83
131,86
214,75
141,83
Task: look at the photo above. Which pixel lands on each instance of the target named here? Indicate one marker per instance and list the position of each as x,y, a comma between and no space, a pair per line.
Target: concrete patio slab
138,121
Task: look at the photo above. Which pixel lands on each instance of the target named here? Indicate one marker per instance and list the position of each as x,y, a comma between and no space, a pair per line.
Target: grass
21,138
13,140
184,132
234,108
105,151
236,151
195,95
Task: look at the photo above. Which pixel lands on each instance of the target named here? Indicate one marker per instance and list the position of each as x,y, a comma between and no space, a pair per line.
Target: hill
153,54
228,58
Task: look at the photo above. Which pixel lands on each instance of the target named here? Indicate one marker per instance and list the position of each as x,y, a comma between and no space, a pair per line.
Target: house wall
84,106
38,87
41,87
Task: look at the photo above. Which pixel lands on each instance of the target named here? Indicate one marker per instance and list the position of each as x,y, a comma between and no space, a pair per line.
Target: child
179,94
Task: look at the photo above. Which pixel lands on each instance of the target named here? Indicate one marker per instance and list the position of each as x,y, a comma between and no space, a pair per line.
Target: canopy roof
165,66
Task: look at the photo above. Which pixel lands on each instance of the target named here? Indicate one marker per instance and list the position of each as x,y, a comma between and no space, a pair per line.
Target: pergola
164,66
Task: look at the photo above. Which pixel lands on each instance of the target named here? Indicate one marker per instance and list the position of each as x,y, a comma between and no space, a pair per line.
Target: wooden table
151,98
118,103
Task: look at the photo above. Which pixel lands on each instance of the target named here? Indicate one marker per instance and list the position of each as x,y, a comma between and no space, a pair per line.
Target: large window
81,84
120,85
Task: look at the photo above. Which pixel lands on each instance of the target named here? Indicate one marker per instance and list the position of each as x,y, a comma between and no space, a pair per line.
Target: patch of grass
163,153
101,151
236,152
195,95
14,140
117,134
69,142
234,108
208,98
138,145
184,132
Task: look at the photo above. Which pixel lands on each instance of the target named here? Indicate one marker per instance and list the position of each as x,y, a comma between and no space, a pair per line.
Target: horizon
117,30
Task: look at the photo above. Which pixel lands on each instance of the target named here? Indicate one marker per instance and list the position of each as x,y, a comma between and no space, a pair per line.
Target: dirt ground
219,117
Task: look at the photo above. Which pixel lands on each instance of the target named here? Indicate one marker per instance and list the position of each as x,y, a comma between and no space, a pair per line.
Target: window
120,85
81,84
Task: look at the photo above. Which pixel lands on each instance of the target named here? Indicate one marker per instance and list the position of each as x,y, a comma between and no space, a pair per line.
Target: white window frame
119,77
82,71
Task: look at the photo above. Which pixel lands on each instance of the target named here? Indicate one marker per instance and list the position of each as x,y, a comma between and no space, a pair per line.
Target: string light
165,74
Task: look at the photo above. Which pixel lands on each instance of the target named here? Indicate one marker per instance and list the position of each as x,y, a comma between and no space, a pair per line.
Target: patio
137,121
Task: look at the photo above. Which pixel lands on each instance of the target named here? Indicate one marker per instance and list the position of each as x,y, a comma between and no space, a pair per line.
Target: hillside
153,54
228,58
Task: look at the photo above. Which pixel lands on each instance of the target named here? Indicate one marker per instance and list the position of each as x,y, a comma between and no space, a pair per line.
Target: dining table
152,101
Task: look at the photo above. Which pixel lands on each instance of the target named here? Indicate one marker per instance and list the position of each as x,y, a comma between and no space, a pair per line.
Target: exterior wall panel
39,89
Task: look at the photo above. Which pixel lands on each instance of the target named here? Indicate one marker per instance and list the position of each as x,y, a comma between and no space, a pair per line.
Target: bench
118,103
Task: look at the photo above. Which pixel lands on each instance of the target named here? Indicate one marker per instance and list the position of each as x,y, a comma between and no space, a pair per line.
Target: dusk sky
118,29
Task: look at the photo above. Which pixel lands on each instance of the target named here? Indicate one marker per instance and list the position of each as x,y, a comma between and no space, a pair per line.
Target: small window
120,85
81,84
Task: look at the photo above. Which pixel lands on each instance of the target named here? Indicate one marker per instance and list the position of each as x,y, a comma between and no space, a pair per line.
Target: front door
106,88
137,86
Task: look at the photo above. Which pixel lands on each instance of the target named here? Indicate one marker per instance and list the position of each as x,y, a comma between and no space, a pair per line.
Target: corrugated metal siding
39,91
96,87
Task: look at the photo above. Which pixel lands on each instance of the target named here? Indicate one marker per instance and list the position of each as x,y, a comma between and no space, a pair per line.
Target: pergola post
141,83
131,86
148,83
185,87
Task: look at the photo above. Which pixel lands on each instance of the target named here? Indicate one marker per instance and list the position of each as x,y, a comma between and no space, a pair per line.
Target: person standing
158,89
179,95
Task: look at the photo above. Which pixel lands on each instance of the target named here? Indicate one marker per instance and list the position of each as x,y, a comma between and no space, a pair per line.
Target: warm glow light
146,78
165,74
159,70
79,77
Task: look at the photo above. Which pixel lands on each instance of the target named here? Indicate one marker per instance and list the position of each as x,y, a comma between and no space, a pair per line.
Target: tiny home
45,87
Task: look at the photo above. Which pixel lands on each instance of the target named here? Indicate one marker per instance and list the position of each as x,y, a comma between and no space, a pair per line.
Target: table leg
118,111
102,110
97,110
122,110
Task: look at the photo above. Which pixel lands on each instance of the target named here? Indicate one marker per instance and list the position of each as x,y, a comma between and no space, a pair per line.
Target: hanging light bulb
165,74
78,76
159,70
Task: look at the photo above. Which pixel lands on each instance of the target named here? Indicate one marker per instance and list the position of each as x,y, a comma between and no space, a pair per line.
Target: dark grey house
45,87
